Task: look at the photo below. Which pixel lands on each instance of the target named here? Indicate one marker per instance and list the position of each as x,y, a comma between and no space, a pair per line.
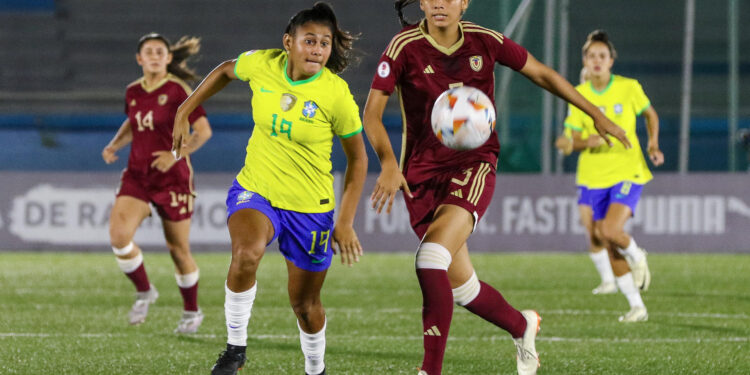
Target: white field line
400,338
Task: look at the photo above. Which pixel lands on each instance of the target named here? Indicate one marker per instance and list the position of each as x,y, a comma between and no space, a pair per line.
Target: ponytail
185,48
400,5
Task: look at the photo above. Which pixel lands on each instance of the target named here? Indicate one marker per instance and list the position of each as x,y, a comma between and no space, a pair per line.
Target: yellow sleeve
346,120
245,65
640,100
575,118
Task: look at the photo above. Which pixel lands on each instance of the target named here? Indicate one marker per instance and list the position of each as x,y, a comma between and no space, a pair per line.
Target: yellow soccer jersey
602,167
289,153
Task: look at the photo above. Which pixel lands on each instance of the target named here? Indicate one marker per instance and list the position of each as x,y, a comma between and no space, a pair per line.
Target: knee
246,257
608,231
119,238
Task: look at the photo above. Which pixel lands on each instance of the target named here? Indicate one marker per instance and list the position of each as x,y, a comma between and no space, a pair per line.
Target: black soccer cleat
228,363
322,373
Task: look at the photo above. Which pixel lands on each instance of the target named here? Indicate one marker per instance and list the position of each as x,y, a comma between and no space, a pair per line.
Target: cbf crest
475,62
244,197
310,109
287,101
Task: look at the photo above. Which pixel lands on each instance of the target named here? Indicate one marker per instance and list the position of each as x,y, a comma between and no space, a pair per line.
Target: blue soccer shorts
304,238
625,192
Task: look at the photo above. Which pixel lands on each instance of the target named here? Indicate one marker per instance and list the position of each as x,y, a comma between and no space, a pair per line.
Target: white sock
601,262
464,294
632,252
237,307
130,265
314,348
627,287
187,280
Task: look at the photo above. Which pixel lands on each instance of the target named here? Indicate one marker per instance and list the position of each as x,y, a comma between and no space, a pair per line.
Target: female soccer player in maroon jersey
154,176
448,191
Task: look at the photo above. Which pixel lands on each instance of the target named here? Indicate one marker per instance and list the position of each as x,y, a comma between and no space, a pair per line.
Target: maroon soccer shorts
173,201
470,188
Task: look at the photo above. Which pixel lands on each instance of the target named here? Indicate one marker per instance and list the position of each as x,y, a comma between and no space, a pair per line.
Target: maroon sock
190,297
437,312
492,307
139,278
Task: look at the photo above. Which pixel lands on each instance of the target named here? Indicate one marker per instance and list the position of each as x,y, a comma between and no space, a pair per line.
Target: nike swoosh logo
263,89
318,261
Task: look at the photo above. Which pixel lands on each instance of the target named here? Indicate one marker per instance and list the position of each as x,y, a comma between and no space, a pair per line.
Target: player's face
309,49
598,61
443,13
154,57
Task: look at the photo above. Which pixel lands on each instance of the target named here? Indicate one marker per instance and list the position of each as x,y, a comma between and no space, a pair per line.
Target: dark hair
599,36
400,5
181,52
341,48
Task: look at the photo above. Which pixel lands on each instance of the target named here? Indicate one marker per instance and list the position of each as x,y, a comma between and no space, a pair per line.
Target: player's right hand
108,154
564,144
605,126
180,135
390,181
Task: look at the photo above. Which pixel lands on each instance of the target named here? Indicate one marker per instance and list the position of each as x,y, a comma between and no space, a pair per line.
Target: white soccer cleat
636,314
139,311
527,360
605,288
189,322
422,373
641,273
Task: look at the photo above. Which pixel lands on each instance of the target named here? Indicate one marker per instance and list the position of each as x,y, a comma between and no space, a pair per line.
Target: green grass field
65,313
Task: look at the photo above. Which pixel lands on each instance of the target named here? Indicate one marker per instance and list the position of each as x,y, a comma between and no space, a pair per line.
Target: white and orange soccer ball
463,118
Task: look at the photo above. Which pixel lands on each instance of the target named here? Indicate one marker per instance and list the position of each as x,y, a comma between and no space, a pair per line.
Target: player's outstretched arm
345,241
121,139
391,180
652,126
213,83
548,79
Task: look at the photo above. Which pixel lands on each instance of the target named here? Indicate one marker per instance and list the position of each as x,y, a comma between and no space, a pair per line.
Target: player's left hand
180,136
346,243
164,160
656,156
605,126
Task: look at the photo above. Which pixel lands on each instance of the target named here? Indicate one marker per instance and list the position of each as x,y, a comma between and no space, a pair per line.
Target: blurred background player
448,191
613,177
154,176
285,189
597,251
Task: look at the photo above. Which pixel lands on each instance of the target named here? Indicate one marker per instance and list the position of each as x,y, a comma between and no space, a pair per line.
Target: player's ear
287,40
169,58
138,59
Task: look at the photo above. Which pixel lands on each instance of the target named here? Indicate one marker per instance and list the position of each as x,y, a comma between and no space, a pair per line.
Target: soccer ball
463,118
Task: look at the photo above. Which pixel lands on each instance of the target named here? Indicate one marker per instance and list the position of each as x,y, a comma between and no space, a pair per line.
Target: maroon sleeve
509,53
196,114
388,73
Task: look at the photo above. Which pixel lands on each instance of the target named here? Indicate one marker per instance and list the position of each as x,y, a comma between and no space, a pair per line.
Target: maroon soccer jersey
151,115
420,69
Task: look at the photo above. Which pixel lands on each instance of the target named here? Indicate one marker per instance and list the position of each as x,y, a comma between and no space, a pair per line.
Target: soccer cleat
636,314
422,373
605,288
139,311
641,273
527,360
228,363
189,322
322,373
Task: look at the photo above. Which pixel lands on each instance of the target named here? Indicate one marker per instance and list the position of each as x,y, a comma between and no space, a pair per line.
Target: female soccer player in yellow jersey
285,189
610,179
448,191
153,176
